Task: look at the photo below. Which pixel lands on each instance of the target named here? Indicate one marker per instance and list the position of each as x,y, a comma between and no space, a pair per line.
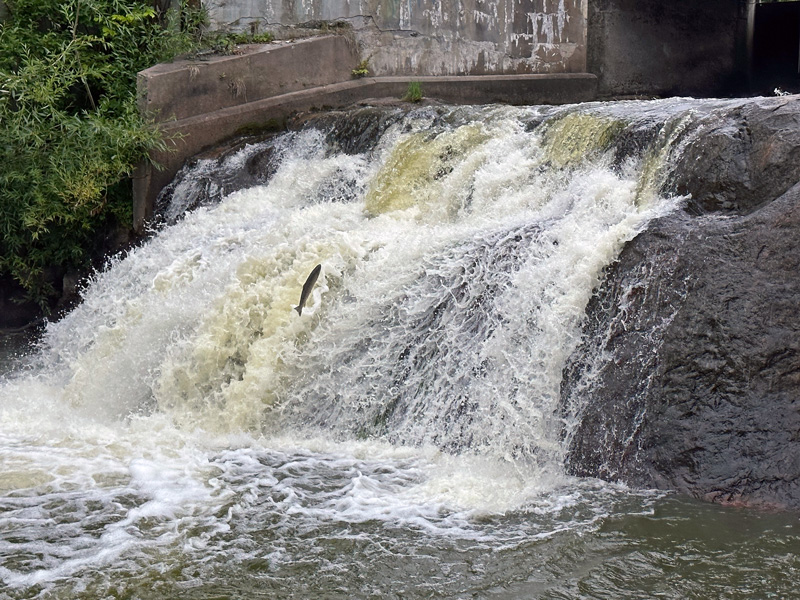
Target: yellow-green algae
237,359
651,173
570,139
411,175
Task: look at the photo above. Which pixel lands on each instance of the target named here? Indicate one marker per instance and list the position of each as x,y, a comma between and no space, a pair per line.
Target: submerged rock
689,375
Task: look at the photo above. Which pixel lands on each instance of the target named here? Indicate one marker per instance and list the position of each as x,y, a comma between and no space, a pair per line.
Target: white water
184,414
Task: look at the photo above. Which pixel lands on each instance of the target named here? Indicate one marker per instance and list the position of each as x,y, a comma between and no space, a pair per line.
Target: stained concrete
635,47
433,37
186,88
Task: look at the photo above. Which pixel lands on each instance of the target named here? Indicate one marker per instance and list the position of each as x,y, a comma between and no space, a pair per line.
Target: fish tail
299,310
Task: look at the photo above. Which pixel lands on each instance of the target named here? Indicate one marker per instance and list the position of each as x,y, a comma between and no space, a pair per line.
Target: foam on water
184,412
98,501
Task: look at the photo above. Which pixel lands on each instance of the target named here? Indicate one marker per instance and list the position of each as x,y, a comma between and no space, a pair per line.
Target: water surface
183,433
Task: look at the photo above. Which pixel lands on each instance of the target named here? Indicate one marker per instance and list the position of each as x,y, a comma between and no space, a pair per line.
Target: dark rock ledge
689,375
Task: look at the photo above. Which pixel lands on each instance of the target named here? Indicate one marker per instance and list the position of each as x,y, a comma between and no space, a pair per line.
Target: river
183,433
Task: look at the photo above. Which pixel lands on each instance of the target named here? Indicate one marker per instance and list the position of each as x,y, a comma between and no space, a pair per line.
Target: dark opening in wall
776,47
667,48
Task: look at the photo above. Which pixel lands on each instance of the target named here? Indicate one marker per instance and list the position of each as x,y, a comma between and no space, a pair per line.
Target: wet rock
736,159
357,131
689,378
208,177
16,311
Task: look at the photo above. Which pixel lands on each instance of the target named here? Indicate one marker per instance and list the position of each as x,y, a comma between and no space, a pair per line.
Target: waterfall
183,432
459,248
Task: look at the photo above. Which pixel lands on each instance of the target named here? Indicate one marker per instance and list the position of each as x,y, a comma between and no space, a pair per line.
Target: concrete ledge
189,136
186,88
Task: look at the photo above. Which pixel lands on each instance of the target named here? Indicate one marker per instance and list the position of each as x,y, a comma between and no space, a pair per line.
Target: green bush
70,134
362,69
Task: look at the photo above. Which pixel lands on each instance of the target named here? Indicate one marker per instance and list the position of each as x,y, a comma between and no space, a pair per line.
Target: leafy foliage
362,70
70,134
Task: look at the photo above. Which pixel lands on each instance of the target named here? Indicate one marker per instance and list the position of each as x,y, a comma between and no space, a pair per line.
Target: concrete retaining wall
197,107
776,47
184,89
434,37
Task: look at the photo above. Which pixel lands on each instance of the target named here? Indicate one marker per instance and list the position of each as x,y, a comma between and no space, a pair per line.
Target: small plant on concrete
362,70
227,43
413,93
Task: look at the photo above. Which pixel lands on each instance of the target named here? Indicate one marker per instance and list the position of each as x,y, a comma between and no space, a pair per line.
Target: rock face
742,157
689,376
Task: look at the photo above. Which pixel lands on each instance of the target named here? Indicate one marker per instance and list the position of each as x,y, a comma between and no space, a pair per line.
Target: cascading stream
454,281
196,418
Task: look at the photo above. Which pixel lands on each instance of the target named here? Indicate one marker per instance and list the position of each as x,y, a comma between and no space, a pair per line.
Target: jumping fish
307,287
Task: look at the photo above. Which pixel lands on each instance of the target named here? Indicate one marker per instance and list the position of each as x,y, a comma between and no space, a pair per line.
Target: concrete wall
434,37
200,103
186,88
776,47
677,47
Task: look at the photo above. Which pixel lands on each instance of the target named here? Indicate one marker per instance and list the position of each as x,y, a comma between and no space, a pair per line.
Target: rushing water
184,433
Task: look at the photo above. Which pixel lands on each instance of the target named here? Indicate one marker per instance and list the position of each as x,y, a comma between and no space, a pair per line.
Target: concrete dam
474,52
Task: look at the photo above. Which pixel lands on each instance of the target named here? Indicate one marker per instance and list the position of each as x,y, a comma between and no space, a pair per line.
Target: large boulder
738,157
689,375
